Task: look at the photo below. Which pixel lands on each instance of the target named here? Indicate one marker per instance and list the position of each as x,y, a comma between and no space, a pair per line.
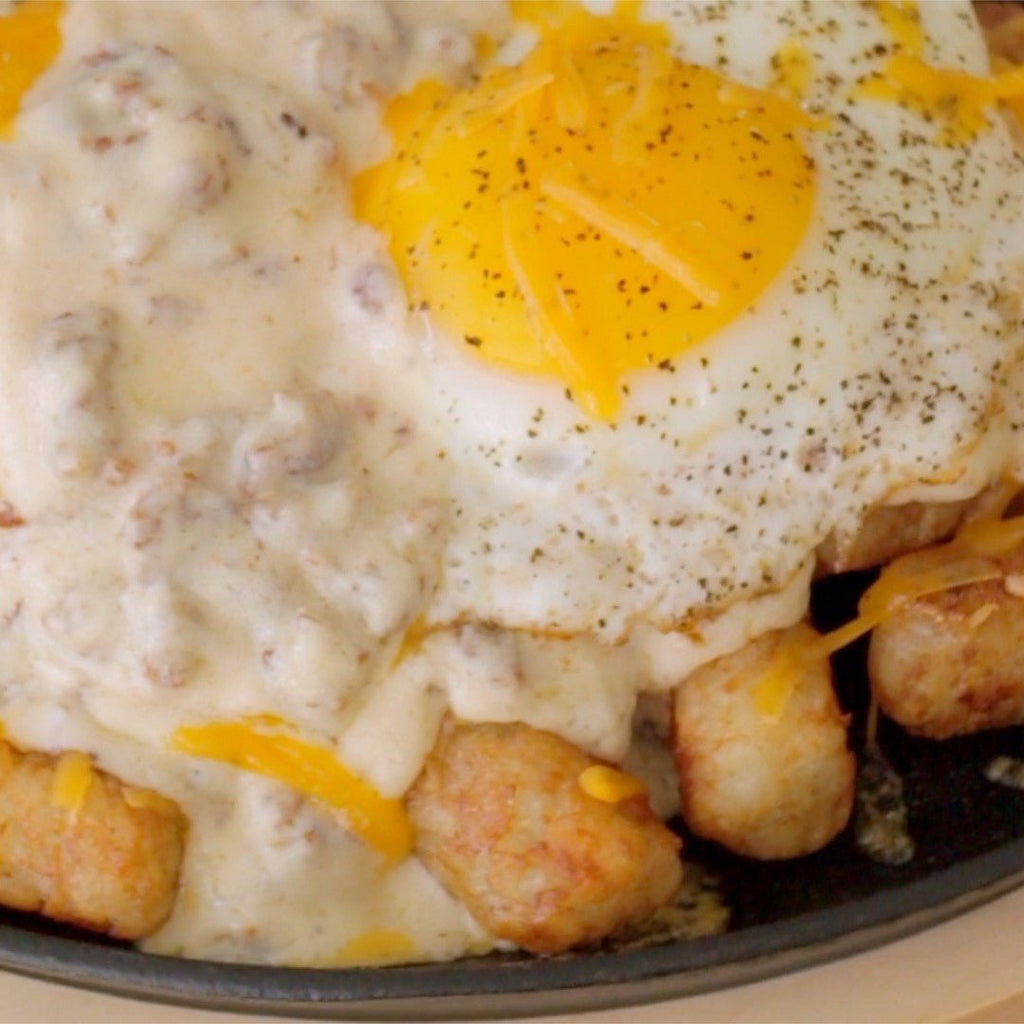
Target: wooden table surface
967,969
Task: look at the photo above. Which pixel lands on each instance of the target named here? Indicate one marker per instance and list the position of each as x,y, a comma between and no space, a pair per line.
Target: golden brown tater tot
951,663
766,785
503,822
78,845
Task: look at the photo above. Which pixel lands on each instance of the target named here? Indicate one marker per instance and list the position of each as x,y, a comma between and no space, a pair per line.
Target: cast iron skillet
969,835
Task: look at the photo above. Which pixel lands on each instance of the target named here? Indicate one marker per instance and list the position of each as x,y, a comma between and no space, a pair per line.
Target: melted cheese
30,39
956,100
609,785
966,560
72,777
379,946
262,745
620,248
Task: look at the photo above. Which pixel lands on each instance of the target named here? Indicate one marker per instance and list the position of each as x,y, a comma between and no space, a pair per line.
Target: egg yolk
599,208
30,39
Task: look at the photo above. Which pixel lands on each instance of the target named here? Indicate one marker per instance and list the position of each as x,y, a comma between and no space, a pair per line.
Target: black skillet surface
969,835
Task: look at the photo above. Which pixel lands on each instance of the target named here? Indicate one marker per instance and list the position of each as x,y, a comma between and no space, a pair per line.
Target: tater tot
79,846
504,824
888,532
764,784
950,663
1003,24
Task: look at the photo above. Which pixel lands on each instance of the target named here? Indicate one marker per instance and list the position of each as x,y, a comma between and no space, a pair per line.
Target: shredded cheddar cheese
991,538
148,800
955,99
644,235
969,558
71,781
609,785
793,70
501,103
377,946
256,745
30,39
572,105
597,209
780,678
412,641
8,759
902,20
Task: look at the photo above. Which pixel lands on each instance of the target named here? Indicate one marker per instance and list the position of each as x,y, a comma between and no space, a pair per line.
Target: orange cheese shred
609,785
637,231
30,39
71,781
968,558
268,747
955,99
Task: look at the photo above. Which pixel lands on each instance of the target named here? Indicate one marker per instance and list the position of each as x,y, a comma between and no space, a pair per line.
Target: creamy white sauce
230,502
222,429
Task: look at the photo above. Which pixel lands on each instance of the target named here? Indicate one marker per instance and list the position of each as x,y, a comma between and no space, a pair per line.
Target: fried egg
701,284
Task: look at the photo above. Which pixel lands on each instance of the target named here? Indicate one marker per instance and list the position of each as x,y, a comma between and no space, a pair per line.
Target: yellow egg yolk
30,39
599,208
267,745
956,101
